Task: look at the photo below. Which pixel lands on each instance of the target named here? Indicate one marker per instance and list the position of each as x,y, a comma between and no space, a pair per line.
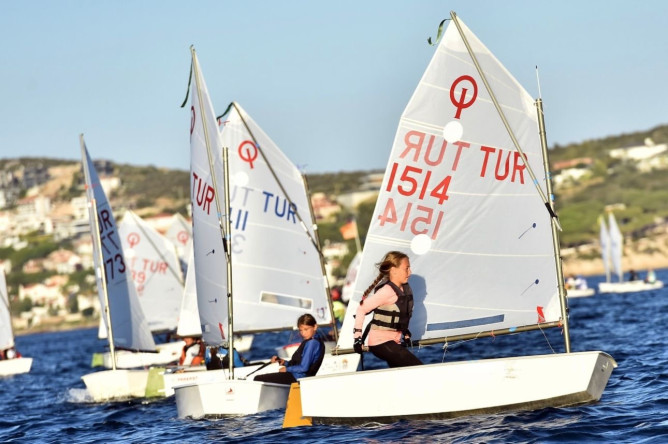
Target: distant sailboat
612,252
460,197
180,234
155,269
17,364
125,322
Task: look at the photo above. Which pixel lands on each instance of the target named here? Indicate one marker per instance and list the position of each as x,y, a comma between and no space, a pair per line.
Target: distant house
48,294
572,163
639,152
63,262
323,208
33,266
333,253
368,189
35,176
32,213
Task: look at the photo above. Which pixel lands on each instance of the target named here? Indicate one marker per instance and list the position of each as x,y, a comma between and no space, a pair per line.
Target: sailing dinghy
15,365
154,266
460,197
125,322
612,246
257,260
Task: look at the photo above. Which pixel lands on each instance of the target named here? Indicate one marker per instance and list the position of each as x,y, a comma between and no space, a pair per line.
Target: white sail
351,277
616,246
180,234
277,273
465,209
458,199
207,197
129,327
6,332
155,270
604,236
189,324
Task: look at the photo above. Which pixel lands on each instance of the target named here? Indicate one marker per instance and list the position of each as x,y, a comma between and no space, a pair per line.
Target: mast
322,262
100,260
228,228
555,232
224,227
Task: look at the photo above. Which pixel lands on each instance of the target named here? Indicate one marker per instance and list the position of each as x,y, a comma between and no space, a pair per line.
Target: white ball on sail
421,244
240,179
453,131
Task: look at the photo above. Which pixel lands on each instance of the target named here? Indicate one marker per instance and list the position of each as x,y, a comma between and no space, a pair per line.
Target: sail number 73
415,182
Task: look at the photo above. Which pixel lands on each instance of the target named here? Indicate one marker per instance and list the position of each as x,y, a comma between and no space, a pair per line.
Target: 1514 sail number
419,219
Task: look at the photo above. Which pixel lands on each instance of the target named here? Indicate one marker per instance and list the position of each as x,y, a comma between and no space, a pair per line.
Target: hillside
640,198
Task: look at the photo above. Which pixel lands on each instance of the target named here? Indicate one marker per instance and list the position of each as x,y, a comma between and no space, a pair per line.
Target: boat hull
168,353
169,379
580,292
15,366
229,398
116,385
458,388
212,393
628,286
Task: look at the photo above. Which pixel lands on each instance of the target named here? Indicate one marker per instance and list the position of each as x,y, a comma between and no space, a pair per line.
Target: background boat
612,251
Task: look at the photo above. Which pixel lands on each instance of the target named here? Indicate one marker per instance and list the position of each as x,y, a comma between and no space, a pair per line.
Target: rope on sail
273,173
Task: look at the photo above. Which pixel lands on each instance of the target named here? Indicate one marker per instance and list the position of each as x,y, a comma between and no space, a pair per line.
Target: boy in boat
305,361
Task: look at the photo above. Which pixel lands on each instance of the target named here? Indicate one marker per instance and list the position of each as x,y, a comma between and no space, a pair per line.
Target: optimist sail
616,246
458,199
271,249
128,324
277,270
604,236
156,271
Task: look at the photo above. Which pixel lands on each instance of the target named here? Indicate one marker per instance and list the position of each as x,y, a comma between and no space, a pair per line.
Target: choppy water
49,404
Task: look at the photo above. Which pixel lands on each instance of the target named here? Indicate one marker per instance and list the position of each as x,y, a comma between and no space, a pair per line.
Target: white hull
207,393
580,292
243,343
168,353
628,286
15,366
458,388
213,394
116,385
231,398
168,379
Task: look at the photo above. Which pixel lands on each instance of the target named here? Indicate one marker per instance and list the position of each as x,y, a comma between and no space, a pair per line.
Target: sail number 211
414,182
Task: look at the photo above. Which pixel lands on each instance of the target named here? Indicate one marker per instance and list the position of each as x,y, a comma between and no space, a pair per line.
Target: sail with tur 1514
465,195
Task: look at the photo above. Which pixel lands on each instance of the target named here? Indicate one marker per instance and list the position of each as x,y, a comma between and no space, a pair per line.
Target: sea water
50,404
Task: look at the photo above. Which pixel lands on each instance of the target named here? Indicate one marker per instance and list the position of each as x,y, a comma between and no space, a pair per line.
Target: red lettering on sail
502,163
434,152
203,193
